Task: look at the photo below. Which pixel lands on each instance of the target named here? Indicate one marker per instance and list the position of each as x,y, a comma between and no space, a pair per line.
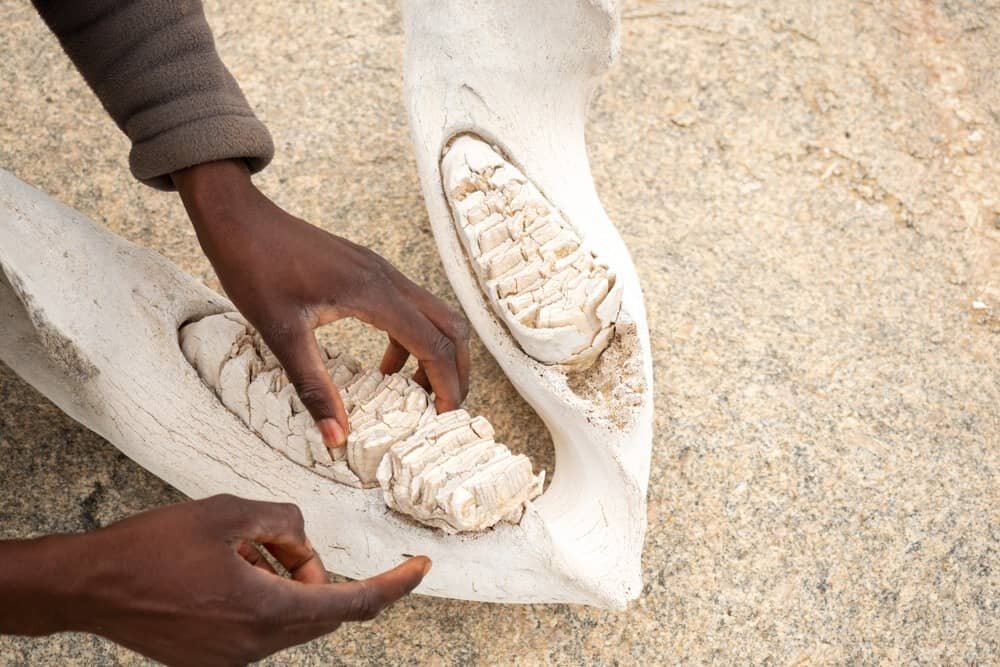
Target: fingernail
427,567
333,434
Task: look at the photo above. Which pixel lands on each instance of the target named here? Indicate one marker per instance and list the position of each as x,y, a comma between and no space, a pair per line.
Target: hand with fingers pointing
288,277
186,585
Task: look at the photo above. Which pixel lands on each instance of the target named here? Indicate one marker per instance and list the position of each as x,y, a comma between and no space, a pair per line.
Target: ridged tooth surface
463,488
452,475
525,254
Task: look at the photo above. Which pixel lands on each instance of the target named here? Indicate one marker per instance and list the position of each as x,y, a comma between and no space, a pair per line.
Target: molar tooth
361,387
503,175
259,388
607,312
515,226
478,155
562,245
341,374
529,316
416,400
494,235
597,289
520,282
504,259
299,450
209,351
472,201
557,315
340,472
233,382
481,427
365,450
440,469
526,193
511,189
496,202
451,474
519,242
545,231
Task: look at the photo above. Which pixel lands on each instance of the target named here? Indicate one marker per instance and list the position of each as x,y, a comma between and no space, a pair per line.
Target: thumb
299,354
360,600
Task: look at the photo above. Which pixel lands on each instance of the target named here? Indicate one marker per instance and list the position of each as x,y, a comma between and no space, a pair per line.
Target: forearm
154,66
40,580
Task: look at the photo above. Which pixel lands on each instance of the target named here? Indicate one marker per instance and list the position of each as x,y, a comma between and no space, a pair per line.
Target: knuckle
222,499
374,277
442,347
224,506
460,325
366,604
311,392
274,330
293,515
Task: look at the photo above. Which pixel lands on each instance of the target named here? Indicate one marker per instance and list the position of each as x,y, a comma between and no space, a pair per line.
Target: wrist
211,181
215,192
44,584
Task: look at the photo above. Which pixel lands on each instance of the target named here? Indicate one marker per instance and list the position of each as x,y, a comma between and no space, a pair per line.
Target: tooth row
558,299
452,474
384,410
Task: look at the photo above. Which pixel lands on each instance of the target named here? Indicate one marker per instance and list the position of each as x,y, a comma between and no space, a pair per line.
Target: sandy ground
810,192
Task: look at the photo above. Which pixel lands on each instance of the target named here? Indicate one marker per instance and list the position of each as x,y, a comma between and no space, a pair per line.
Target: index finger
451,323
281,529
415,332
300,559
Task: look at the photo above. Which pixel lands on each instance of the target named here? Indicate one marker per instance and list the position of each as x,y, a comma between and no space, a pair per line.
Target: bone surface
107,351
557,298
446,471
497,96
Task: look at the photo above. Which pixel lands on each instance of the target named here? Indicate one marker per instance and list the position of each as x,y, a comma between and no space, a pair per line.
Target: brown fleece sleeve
154,67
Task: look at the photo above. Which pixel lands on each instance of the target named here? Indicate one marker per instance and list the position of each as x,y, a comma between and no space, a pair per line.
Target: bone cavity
469,481
558,299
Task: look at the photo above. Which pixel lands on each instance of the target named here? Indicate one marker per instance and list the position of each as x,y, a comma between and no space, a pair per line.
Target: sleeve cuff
216,137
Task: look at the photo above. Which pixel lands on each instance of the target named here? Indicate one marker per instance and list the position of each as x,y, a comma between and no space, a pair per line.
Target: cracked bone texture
558,299
446,471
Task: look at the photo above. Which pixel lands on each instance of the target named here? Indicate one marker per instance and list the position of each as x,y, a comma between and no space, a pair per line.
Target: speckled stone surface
810,190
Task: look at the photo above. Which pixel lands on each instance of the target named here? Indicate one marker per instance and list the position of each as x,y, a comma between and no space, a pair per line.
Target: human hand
184,584
288,277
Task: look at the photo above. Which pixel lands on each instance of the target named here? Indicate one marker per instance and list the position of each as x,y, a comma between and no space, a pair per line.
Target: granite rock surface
811,194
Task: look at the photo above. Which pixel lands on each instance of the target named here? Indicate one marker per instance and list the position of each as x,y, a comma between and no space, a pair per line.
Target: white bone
107,350
510,81
111,358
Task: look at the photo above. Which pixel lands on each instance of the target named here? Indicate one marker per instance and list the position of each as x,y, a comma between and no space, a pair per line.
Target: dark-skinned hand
288,277
186,585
